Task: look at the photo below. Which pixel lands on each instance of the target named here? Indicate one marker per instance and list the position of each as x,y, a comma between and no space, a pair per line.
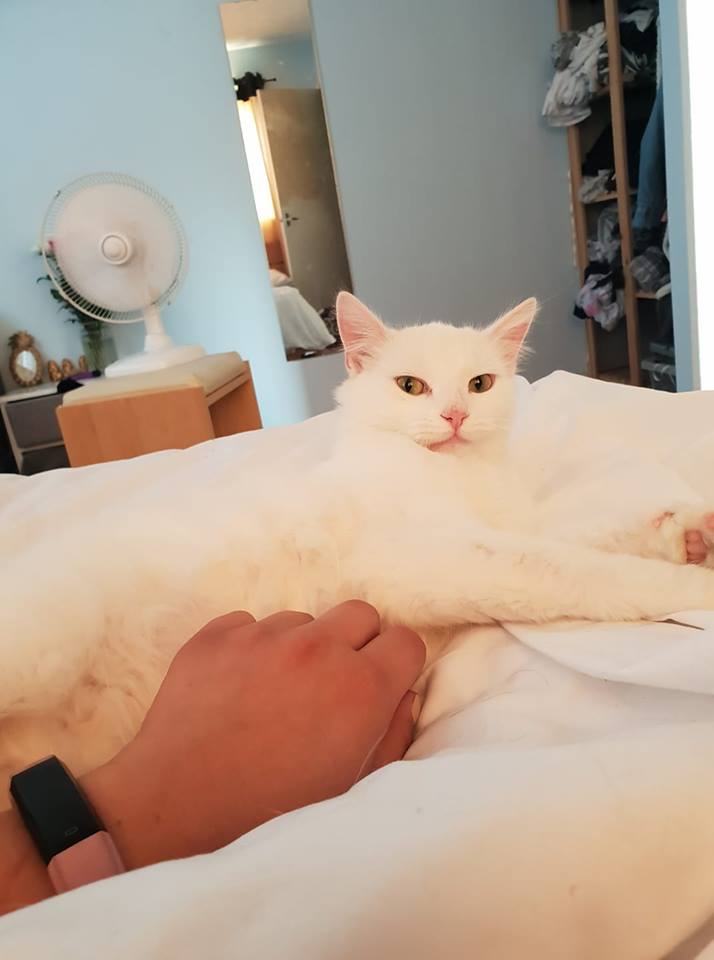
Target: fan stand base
154,360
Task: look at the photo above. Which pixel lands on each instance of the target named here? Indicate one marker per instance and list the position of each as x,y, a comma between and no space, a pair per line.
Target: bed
558,801
301,325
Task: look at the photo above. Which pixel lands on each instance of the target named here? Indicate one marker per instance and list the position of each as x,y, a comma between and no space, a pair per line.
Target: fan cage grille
54,271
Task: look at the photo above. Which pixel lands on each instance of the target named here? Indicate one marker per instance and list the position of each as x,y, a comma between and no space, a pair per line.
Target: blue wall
455,193
142,88
291,62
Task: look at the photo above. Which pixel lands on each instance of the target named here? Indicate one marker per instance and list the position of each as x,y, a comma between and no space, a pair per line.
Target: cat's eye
411,385
482,383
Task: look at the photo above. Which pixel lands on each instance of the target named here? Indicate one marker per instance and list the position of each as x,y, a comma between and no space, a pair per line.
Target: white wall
455,193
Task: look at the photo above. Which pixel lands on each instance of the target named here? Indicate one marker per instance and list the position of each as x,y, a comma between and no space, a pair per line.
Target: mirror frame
23,342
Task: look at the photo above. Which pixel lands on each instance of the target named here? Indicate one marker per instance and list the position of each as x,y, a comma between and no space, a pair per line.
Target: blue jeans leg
652,188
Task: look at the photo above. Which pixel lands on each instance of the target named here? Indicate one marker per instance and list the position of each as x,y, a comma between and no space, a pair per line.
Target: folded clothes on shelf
581,64
561,49
592,187
584,73
650,269
605,245
598,298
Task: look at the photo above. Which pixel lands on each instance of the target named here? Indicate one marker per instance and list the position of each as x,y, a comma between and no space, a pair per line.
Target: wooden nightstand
32,429
122,417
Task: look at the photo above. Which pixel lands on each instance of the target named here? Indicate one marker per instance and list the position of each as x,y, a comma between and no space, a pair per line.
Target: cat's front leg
681,533
455,574
640,508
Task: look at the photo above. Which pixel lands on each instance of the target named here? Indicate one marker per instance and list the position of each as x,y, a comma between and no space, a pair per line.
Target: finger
230,621
398,738
353,623
283,621
400,654
217,629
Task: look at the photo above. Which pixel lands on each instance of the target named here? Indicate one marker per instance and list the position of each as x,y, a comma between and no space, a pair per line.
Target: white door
300,165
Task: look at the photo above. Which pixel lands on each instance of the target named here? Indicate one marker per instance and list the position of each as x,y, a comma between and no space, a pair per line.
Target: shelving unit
619,357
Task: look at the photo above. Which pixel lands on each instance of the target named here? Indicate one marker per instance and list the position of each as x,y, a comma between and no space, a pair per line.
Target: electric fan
116,250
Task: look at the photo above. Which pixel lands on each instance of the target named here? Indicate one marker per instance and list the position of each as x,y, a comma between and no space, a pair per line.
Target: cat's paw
686,536
699,541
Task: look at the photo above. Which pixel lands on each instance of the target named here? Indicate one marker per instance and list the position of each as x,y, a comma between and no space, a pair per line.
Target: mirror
287,146
26,366
25,360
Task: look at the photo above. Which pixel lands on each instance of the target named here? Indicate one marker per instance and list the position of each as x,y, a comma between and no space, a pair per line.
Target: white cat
421,510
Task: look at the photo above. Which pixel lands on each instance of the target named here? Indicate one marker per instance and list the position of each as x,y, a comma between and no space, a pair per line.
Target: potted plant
97,342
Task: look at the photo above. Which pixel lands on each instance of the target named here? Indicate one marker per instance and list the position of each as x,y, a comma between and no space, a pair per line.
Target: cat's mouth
451,443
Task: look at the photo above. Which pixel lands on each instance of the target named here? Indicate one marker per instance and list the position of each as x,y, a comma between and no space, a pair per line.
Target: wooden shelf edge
605,198
41,446
627,86
618,375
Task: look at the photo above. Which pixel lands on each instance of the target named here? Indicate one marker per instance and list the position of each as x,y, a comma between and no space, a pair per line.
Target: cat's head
447,388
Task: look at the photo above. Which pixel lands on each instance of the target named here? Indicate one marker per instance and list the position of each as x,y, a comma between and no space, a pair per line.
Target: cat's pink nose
455,417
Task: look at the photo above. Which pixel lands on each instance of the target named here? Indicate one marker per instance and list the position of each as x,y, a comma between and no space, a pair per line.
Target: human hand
255,719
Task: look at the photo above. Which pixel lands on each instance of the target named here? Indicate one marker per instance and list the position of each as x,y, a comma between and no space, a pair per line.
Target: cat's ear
361,331
512,329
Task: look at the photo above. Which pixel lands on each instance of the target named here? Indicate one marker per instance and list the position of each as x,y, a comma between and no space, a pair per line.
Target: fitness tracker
69,836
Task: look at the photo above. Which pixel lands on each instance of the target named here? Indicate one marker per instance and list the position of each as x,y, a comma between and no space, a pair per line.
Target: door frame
259,115
686,27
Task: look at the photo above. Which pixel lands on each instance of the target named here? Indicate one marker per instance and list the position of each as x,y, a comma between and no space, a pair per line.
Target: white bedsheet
301,325
557,803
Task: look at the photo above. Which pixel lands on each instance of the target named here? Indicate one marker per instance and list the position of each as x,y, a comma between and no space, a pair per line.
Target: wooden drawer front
50,458
34,422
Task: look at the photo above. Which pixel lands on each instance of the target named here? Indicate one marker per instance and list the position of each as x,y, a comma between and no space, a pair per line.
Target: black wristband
53,808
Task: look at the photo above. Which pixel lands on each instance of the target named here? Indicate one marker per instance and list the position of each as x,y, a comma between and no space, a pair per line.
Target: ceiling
249,22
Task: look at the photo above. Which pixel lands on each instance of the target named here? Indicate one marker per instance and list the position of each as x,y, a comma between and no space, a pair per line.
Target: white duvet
558,801
300,324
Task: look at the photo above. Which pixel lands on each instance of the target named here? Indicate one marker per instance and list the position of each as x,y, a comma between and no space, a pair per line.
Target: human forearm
252,720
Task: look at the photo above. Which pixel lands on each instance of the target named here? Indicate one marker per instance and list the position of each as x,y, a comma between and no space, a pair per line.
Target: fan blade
84,221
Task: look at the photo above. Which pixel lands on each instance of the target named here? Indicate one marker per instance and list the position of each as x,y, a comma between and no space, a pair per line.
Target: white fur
435,538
